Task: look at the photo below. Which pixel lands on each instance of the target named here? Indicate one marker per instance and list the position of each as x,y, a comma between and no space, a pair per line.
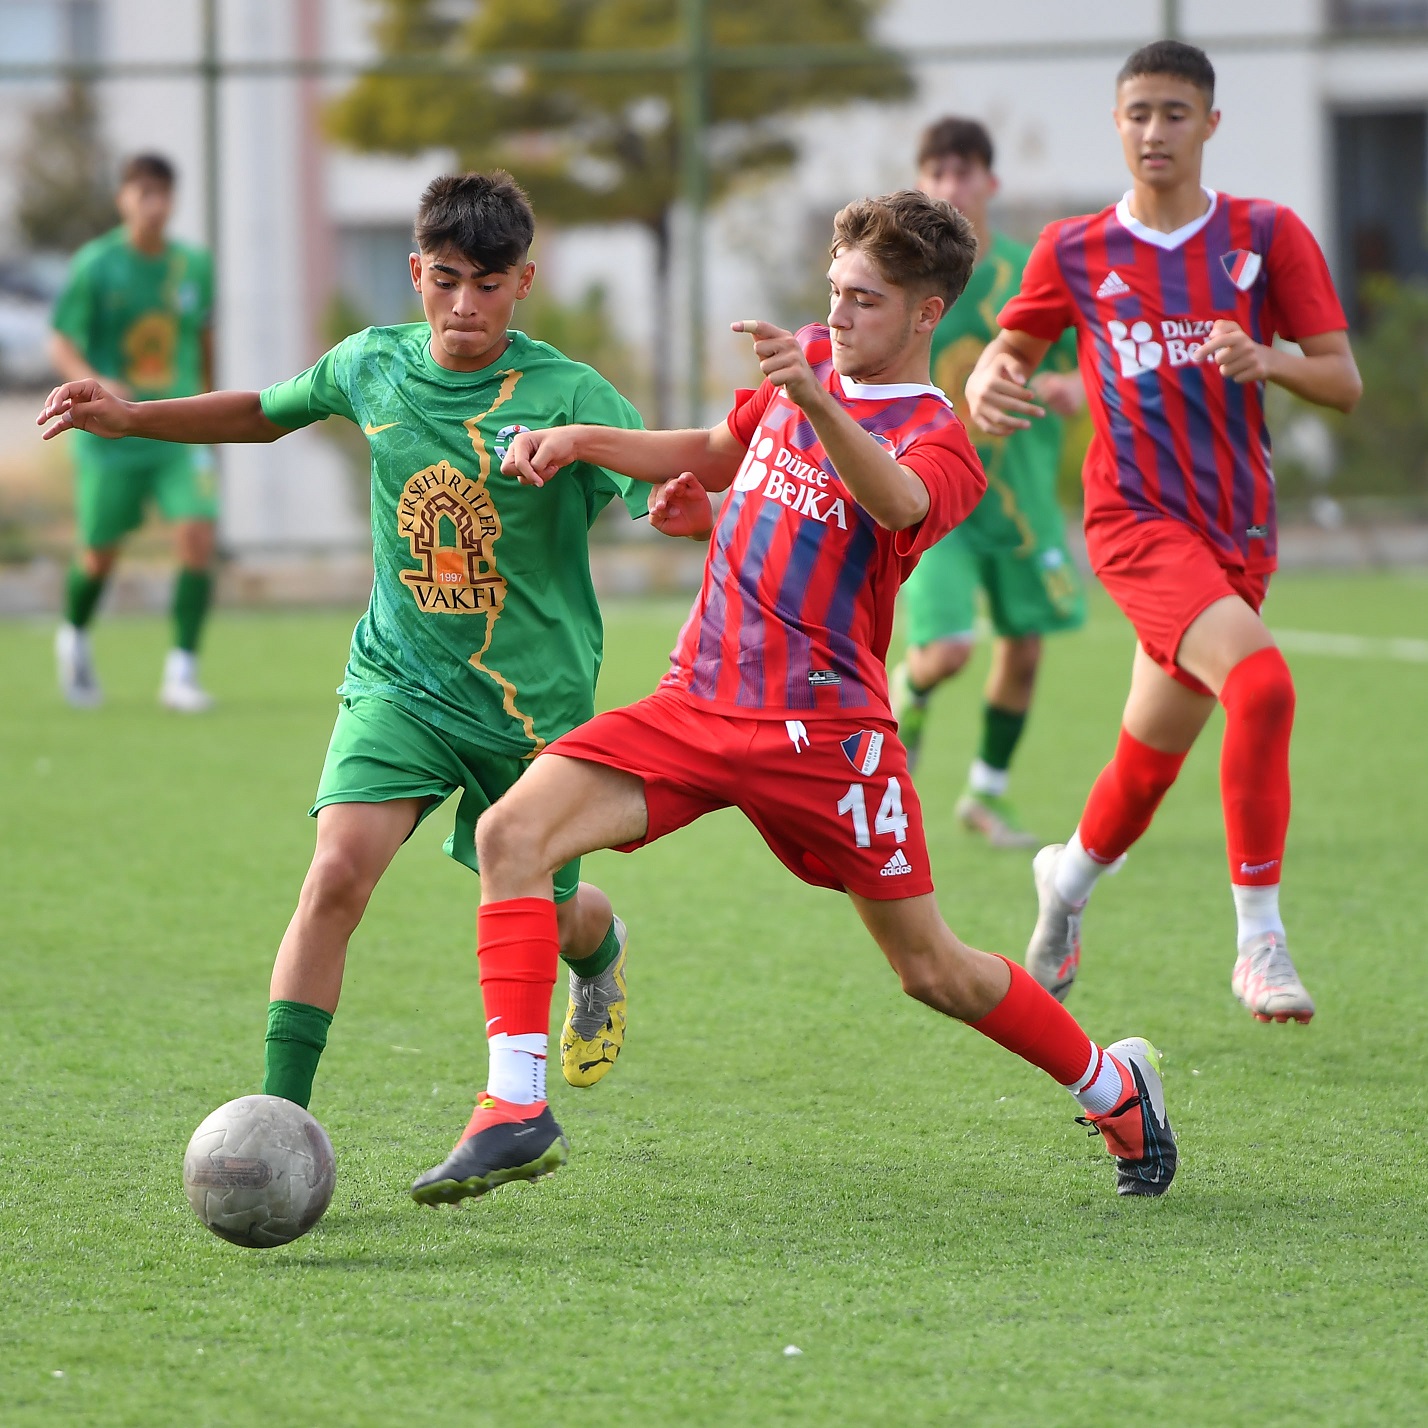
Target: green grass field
790,1153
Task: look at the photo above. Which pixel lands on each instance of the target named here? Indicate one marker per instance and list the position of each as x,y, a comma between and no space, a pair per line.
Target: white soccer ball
259,1171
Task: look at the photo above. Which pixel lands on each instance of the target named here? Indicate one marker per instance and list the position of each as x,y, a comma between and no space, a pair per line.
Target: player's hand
1238,356
781,360
533,457
998,397
1059,392
681,507
84,406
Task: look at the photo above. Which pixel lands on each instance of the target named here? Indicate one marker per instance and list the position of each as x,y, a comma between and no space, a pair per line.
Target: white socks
181,667
517,1068
983,778
1077,871
1257,911
1100,1089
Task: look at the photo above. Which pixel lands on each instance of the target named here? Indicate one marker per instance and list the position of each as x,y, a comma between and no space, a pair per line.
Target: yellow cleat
594,1029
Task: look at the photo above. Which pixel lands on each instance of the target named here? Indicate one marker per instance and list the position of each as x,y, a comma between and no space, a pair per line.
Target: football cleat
1053,956
909,709
180,690
74,668
992,816
594,1029
1137,1131
1264,979
504,1141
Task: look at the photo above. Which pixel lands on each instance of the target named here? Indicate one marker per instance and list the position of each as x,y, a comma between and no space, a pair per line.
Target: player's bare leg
194,543
1118,1087
562,809
984,806
912,681
74,659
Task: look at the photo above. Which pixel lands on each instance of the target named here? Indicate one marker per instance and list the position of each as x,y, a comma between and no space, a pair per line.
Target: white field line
1320,642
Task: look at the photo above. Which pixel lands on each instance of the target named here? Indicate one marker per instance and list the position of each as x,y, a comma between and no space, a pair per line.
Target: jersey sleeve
311,396
748,410
1301,292
1043,308
599,404
944,461
74,307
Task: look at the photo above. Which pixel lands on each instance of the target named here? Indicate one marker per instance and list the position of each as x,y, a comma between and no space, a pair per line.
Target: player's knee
932,663
508,840
1260,688
337,886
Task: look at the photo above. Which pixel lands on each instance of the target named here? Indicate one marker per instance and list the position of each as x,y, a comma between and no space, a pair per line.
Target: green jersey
483,618
140,318
1021,469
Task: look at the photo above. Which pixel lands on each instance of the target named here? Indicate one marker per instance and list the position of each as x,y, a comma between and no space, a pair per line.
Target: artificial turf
790,1153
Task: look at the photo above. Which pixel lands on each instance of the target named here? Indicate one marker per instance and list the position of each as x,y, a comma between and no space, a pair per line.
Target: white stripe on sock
1257,911
1099,1090
517,1071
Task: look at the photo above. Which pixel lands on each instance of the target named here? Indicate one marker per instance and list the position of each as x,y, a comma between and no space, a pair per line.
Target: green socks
297,1034
1001,730
81,595
192,591
599,959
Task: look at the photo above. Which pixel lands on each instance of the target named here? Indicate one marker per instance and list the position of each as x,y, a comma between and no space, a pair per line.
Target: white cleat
74,668
1053,956
1265,981
181,690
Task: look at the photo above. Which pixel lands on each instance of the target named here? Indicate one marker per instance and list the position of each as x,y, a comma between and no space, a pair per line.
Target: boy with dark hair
1177,294
845,466
482,641
136,312
1013,546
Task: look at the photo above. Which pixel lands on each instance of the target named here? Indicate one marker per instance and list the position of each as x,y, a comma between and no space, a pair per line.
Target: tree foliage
65,197
605,147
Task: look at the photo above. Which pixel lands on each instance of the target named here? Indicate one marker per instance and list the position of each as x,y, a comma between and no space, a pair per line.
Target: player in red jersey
845,466
1177,294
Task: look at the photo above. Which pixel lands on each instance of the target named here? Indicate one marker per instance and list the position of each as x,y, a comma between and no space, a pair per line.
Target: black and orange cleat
504,1141
1137,1131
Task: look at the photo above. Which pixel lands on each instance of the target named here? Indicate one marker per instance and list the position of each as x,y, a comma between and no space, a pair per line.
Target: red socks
1032,1024
1124,798
1258,696
518,947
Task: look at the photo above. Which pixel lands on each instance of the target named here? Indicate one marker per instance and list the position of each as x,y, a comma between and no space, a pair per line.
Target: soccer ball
259,1171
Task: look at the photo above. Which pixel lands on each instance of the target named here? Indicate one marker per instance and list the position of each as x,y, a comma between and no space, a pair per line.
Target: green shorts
111,501
1037,592
380,752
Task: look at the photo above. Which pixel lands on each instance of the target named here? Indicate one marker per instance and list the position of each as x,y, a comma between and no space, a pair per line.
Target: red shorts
1163,574
831,797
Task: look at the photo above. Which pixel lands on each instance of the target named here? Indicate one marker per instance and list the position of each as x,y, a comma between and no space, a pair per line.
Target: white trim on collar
888,391
1158,239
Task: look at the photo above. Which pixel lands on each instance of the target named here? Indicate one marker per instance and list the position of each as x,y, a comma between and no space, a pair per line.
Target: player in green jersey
1013,546
136,312
483,639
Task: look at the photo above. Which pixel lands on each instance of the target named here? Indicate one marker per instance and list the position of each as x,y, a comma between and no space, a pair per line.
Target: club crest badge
864,750
1241,267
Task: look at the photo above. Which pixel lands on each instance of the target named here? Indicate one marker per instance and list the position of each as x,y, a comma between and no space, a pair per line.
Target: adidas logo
1113,286
895,866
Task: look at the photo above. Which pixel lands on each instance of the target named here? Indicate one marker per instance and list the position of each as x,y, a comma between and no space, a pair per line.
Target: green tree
65,197
605,147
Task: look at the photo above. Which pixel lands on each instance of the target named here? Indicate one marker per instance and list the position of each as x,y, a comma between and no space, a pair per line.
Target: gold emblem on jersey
451,525
149,348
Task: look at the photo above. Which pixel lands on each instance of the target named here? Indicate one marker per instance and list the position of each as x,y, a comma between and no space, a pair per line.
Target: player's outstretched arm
711,455
211,418
890,493
1323,371
999,396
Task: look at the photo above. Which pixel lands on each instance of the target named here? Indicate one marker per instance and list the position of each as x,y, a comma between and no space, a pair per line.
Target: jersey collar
1168,241
887,391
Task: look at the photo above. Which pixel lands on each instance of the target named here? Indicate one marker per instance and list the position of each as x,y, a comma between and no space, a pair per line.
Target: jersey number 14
889,818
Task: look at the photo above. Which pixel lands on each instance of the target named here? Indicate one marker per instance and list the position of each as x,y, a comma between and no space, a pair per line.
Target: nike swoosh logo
370,430
491,1021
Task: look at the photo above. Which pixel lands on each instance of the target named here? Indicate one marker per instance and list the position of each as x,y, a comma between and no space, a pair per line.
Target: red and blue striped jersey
796,608
1173,437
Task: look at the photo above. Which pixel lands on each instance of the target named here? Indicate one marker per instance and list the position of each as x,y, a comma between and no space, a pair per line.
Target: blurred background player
1013,546
1177,293
776,701
136,311
482,640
